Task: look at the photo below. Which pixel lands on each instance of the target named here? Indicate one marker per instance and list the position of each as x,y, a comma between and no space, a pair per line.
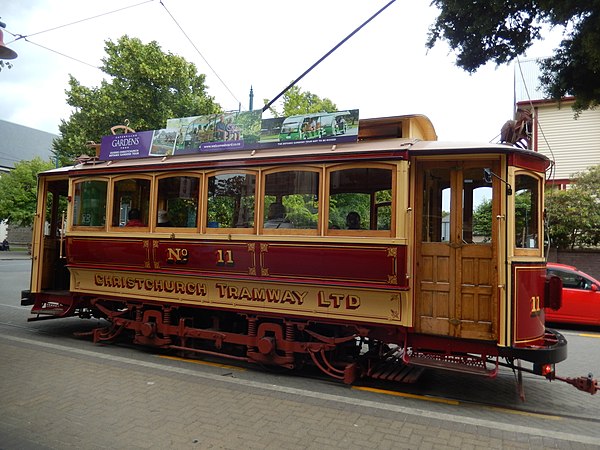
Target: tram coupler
586,384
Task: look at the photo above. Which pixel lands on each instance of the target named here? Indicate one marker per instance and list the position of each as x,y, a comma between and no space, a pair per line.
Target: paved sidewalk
59,397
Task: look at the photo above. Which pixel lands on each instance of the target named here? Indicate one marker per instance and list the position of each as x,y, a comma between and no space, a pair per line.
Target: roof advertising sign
230,131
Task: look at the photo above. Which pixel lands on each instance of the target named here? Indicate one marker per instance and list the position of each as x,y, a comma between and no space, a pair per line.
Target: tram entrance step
464,363
396,371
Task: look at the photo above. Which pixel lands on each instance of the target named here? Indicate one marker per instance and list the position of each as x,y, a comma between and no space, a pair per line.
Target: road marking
203,363
407,395
407,410
523,413
597,336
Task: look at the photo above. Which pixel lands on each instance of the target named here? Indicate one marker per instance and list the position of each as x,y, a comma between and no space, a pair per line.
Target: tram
364,259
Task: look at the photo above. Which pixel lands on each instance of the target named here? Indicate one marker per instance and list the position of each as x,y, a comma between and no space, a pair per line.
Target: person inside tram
163,219
134,218
276,217
353,220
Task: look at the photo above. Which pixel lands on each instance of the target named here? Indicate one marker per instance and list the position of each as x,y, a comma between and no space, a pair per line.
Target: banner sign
232,131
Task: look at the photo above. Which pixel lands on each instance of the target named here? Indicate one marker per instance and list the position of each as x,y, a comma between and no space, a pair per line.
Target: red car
580,299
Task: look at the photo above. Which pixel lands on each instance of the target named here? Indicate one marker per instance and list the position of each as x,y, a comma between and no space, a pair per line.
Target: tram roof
378,138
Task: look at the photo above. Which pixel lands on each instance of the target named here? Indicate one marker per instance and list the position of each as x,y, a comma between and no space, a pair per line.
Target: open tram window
291,200
131,201
360,199
177,202
527,218
231,200
89,203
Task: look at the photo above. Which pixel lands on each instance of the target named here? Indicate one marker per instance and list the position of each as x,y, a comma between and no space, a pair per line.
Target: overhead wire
26,37
198,51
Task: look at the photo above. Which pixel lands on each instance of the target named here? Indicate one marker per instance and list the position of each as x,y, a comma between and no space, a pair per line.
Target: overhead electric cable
198,51
79,21
62,54
326,55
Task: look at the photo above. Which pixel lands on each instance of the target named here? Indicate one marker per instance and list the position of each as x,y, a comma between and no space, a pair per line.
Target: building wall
573,143
587,261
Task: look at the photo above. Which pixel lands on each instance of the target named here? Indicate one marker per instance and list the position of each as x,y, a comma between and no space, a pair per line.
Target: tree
297,102
146,87
574,214
500,30
19,191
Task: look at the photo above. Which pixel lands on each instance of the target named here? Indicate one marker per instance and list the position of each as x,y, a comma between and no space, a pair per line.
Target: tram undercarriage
341,351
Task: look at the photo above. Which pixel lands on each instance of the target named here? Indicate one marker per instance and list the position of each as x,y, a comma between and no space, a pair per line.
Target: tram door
456,245
48,247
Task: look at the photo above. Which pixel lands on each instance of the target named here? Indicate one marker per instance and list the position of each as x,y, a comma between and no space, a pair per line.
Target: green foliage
297,102
482,219
574,214
19,191
146,87
500,30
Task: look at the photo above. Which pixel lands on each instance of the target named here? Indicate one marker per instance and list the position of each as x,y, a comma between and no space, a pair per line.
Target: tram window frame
287,227
535,248
206,225
391,202
76,204
143,203
157,227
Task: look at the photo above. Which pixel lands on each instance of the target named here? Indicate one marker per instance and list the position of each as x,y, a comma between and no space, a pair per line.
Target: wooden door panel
455,277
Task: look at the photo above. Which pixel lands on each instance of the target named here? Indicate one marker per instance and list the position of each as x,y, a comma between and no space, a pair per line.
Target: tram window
527,200
477,207
89,203
177,202
360,199
231,199
131,200
291,200
436,205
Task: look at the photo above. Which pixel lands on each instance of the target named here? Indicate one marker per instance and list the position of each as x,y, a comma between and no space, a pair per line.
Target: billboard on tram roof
230,131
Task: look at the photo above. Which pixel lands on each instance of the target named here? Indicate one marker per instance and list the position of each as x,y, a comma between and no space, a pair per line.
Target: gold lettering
322,301
300,296
352,302
222,288
179,287
273,295
259,295
288,298
98,279
245,294
337,299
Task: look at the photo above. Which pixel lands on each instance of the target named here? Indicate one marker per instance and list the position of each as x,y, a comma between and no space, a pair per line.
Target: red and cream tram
361,258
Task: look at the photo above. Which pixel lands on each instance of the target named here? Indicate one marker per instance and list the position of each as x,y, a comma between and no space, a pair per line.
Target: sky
383,70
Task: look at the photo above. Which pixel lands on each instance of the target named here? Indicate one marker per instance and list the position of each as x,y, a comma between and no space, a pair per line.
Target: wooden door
456,238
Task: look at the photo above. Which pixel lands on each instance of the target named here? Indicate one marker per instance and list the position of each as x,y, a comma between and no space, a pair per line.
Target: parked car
580,296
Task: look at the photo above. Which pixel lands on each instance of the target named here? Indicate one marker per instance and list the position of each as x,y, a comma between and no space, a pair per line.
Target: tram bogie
367,259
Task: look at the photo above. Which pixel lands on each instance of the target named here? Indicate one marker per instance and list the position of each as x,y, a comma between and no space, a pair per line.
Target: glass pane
436,205
231,201
177,202
291,200
360,199
89,204
526,212
477,207
130,203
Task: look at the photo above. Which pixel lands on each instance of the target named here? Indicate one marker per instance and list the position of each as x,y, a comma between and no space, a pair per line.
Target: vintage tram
364,259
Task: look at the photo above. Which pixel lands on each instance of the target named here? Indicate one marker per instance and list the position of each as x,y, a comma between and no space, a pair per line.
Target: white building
572,142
